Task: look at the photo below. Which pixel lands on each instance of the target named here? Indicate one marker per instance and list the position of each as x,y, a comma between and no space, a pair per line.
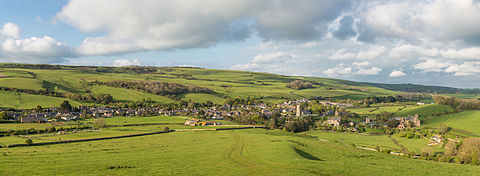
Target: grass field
424,110
120,94
202,98
241,152
230,83
27,101
19,126
467,121
141,120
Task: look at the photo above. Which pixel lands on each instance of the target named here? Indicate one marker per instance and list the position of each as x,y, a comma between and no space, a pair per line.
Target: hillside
208,85
242,152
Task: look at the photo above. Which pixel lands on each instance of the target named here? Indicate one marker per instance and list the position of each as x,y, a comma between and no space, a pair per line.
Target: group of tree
458,104
156,87
299,84
89,97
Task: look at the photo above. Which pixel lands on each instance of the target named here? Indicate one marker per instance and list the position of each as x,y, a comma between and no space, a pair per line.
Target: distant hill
169,84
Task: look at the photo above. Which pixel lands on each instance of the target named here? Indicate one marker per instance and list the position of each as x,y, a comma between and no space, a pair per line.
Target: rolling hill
221,84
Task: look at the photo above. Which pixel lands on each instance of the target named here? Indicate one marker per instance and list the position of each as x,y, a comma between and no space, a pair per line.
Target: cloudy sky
432,42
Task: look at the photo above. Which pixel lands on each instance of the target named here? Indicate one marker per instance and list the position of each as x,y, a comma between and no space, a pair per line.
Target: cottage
335,121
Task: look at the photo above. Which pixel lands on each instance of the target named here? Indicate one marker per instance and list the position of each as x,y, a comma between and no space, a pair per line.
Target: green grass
230,83
27,101
424,110
120,94
465,121
202,98
21,126
241,152
141,120
369,141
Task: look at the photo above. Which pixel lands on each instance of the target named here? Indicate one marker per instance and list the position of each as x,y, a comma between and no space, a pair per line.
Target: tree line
89,98
169,89
457,103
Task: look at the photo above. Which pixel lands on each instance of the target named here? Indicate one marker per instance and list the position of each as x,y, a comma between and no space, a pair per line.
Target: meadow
466,121
240,152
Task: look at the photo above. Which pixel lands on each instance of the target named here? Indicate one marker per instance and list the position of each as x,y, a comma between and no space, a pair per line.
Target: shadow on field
306,155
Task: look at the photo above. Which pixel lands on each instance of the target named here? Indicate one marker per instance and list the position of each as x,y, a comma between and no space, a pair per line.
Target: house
335,121
192,122
409,121
32,120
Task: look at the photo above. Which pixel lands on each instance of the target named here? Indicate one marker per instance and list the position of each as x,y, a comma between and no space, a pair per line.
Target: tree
272,124
3,115
99,123
166,129
65,106
39,109
29,141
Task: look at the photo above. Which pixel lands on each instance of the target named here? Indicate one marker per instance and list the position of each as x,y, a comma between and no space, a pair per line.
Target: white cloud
338,70
466,53
139,25
361,64
273,57
464,69
126,62
369,71
397,73
247,66
372,53
342,54
432,65
10,30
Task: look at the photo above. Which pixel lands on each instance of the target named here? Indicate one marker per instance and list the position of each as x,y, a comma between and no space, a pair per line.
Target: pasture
467,121
240,152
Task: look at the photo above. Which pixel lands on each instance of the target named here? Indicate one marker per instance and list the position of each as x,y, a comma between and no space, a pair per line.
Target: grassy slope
120,94
231,83
468,120
424,110
202,98
27,101
247,152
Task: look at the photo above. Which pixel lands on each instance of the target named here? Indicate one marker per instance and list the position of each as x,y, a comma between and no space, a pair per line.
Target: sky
430,42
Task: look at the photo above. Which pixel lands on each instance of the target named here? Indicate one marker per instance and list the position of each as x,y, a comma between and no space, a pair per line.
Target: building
335,121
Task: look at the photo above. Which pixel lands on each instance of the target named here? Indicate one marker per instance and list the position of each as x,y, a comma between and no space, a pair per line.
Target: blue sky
433,42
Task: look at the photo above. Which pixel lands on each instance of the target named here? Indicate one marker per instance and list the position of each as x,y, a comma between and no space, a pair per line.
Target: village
333,114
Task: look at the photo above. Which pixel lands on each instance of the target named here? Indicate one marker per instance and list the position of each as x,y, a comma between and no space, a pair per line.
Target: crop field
375,110
240,152
465,121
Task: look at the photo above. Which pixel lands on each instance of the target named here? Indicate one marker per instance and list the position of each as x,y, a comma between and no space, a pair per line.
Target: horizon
392,42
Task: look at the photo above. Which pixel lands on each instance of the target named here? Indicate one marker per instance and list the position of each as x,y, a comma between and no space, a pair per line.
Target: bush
166,129
29,141
387,151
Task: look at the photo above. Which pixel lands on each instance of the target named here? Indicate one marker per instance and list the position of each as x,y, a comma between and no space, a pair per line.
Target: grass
231,84
27,101
369,141
202,98
141,120
21,126
120,94
424,110
241,152
465,121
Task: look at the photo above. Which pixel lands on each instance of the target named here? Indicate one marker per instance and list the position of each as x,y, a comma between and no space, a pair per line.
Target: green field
241,152
202,98
141,120
465,121
424,110
228,84
27,101
120,94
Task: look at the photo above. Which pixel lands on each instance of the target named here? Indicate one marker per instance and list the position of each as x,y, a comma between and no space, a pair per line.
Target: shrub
166,129
29,141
